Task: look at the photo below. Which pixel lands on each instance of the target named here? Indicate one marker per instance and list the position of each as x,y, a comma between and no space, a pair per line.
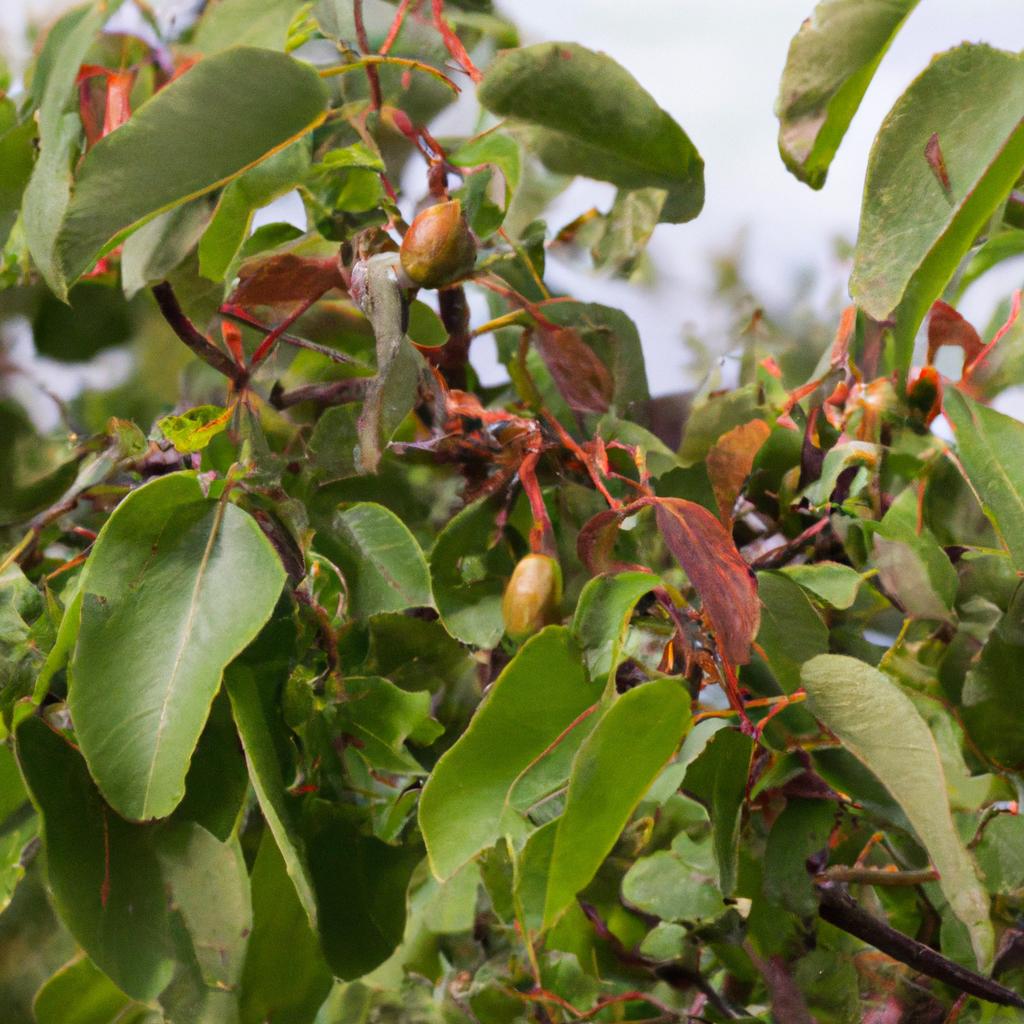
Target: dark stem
453,357
194,338
335,392
838,908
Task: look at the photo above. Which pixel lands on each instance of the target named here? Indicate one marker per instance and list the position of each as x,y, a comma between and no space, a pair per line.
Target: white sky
715,66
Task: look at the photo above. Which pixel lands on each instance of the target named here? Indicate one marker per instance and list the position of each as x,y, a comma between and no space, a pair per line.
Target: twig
194,338
396,27
335,392
673,973
838,908
240,316
876,876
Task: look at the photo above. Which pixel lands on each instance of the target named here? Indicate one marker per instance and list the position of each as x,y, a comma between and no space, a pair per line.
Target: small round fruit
533,596
438,248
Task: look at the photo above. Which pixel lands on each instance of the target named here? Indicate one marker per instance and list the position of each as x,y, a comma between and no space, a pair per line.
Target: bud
533,596
438,248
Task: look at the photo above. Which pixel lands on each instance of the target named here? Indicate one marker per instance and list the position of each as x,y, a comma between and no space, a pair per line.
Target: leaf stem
374,59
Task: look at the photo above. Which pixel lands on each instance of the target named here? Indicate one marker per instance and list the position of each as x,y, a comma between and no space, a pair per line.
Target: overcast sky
715,66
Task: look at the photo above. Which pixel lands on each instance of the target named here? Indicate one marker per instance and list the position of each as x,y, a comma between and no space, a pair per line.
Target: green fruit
438,248
533,596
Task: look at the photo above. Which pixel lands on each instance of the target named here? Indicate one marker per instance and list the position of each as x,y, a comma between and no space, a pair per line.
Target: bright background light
715,66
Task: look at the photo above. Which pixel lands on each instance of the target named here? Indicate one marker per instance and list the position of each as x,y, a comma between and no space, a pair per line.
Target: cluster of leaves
301,720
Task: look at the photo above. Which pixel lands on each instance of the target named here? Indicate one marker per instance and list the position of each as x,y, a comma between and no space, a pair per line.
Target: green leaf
232,220
176,586
217,783
628,228
469,569
244,23
800,831
208,883
285,989
913,229
991,449
540,694
678,884
384,568
791,631
990,702
717,777
222,117
590,116
192,431
831,62
15,838
361,888
49,189
103,872
880,726
831,582
267,777
152,252
605,787
382,717
602,617
80,993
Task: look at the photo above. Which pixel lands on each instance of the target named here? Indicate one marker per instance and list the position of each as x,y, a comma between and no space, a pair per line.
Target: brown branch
838,908
452,357
194,338
876,876
335,392
675,974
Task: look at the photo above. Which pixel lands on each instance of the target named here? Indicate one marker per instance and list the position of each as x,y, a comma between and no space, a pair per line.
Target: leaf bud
533,596
438,248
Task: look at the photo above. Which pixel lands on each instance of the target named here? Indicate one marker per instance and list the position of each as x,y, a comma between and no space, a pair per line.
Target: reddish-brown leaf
947,327
595,543
705,549
285,278
583,380
725,583
730,461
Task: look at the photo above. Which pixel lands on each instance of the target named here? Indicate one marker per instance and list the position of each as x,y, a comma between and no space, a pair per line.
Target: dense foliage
336,687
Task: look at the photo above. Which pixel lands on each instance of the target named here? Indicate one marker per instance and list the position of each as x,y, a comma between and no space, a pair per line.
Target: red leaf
283,279
579,374
705,549
725,583
947,327
730,461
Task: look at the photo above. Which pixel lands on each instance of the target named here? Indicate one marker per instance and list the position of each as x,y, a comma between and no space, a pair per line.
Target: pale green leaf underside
880,726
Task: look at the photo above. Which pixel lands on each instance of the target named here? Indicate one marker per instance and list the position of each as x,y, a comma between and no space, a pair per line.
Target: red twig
453,43
364,44
396,27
